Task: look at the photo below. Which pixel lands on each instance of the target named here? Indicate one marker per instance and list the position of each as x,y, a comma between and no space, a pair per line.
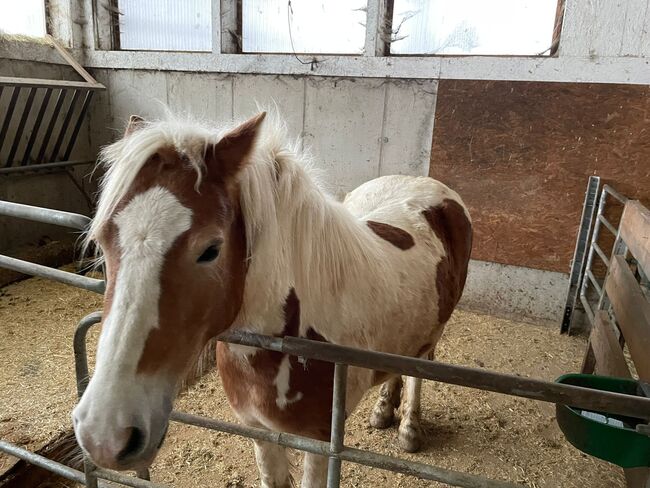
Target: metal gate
342,357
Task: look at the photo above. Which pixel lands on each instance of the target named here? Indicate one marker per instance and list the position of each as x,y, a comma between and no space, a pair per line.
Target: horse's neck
312,244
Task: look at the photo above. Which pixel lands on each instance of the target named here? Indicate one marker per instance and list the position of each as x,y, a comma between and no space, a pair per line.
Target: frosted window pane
518,27
326,26
166,25
25,17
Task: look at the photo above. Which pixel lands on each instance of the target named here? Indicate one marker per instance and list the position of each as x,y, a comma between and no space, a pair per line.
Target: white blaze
147,227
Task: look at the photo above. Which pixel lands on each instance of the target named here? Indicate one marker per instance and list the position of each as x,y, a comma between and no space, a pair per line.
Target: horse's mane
285,207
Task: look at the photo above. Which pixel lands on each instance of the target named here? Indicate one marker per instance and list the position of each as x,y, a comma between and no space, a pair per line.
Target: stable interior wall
53,190
356,128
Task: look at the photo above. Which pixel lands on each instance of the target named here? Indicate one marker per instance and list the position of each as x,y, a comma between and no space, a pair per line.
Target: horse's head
173,239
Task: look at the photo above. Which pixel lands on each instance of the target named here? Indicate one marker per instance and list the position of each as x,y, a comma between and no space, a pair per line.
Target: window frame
227,31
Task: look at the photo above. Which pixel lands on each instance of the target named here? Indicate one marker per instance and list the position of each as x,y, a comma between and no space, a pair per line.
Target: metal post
578,263
338,425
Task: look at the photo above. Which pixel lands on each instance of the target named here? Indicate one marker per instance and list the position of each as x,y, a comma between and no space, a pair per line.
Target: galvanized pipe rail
54,217
596,250
343,356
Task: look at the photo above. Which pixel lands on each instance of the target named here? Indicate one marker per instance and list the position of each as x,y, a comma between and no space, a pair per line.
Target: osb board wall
520,153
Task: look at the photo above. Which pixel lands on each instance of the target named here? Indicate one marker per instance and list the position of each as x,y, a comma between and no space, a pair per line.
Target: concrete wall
55,190
356,129
515,292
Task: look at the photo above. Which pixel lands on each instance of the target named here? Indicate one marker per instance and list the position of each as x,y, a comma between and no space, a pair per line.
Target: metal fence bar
607,224
50,126
21,126
64,126
482,379
601,253
43,462
77,125
580,252
73,474
357,456
587,307
9,115
25,267
590,256
340,355
44,215
37,126
594,282
619,196
337,434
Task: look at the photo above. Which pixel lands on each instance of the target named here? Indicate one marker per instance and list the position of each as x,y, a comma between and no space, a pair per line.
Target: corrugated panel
331,26
165,25
518,27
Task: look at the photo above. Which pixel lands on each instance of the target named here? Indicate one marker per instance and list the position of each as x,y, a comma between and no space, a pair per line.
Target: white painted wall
356,129
606,28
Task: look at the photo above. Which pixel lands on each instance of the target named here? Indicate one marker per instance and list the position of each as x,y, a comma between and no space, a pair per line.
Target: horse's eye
210,254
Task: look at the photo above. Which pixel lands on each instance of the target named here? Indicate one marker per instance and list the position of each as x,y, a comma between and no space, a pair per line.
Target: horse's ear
135,122
226,158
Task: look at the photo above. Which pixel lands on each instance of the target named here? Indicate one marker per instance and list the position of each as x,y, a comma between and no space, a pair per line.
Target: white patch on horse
282,383
147,227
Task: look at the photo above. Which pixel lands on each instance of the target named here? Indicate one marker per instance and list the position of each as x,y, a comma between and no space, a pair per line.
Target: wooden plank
40,83
72,61
632,312
607,351
637,477
635,231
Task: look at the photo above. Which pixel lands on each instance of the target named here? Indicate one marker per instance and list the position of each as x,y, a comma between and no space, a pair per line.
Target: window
303,26
514,27
165,25
25,17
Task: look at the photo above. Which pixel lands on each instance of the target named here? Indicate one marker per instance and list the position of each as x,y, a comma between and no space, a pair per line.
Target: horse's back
434,215
396,196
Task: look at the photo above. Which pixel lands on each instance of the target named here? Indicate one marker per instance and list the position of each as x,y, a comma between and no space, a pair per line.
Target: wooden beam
635,231
637,477
610,360
632,312
72,61
40,83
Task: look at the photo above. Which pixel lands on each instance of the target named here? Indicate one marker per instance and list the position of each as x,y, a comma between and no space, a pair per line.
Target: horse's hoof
409,438
381,419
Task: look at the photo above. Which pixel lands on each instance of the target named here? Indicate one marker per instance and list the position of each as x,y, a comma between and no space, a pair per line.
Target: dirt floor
468,430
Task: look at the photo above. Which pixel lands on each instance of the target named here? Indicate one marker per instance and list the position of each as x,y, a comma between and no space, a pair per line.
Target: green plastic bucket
606,436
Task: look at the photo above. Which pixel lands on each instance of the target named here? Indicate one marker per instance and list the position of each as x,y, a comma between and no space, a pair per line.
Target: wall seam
382,136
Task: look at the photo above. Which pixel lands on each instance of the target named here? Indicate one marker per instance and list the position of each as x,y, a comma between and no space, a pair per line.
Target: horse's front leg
273,465
314,471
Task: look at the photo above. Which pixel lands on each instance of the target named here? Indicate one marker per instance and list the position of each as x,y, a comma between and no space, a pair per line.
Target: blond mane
291,221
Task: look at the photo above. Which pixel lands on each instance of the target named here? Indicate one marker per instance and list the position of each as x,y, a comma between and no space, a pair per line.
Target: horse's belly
277,391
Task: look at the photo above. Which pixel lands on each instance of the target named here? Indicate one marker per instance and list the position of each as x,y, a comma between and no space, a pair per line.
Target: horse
204,231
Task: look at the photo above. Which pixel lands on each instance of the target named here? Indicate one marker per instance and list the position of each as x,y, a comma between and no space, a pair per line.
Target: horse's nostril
134,444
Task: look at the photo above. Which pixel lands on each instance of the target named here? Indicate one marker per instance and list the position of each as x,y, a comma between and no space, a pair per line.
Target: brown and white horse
205,231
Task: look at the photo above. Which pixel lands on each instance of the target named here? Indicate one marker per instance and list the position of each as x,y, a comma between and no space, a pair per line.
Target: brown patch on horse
453,228
396,236
249,383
